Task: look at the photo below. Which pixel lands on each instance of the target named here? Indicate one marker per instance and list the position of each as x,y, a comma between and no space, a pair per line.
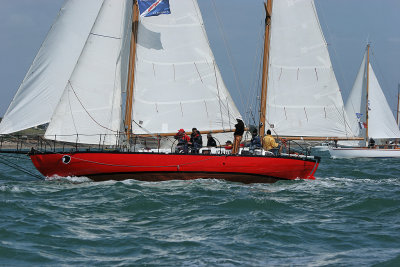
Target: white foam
71,179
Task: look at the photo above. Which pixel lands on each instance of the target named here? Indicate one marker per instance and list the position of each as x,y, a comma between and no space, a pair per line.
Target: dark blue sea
348,216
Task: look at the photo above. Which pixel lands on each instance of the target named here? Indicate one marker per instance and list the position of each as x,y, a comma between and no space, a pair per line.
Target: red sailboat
161,167
164,70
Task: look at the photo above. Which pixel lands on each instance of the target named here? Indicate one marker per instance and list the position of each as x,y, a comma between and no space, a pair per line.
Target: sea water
348,216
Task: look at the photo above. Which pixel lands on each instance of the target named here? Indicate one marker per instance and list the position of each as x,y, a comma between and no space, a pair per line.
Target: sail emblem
149,8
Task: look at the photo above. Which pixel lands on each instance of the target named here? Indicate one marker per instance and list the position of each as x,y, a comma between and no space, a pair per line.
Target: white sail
381,121
43,85
303,96
177,82
356,106
91,102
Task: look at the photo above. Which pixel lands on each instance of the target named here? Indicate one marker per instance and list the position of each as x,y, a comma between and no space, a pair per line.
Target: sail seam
105,36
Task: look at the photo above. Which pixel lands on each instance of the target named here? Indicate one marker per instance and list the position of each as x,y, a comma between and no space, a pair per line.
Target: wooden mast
367,96
264,86
131,73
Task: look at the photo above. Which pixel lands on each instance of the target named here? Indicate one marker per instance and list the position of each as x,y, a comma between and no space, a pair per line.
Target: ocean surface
348,216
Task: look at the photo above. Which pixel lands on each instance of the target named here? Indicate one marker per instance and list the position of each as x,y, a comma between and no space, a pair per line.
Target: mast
398,102
367,104
131,73
264,86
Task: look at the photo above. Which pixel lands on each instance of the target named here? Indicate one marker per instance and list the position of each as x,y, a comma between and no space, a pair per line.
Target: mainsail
303,96
381,122
177,81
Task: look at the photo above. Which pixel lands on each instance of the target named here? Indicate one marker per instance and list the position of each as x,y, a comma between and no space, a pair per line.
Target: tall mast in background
131,72
264,86
398,102
367,104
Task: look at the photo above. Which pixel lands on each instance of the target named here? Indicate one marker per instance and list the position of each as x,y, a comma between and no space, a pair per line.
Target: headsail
303,97
91,102
177,82
43,85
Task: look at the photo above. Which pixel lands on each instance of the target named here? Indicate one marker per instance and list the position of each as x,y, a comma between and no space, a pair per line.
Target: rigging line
229,53
380,72
333,47
253,100
219,97
19,168
147,131
258,70
346,123
260,75
69,82
15,157
150,133
72,114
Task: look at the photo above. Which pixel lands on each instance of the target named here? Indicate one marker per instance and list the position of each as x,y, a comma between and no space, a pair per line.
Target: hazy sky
347,24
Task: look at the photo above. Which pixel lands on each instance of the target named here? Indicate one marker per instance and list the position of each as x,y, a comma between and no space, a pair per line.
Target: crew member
183,141
371,143
269,141
211,141
196,140
239,130
255,141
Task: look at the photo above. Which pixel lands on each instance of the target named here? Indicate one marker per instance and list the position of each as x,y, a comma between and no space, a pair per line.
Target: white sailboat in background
370,117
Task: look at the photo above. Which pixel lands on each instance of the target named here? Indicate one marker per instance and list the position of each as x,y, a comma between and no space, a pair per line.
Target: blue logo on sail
149,8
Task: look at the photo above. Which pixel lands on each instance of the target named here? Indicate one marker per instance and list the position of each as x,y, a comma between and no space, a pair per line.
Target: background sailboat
369,115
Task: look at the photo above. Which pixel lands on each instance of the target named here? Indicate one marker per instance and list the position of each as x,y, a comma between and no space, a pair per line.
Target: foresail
381,122
90,107
43,85
177,82
303,96
356,102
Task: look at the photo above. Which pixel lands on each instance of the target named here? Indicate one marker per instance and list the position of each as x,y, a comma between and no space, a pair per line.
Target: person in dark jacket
371,143
239,130
200,139
211,141
196,140
255,142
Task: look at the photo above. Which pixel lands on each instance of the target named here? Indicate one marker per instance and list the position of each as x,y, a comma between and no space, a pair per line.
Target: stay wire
229,53
19,168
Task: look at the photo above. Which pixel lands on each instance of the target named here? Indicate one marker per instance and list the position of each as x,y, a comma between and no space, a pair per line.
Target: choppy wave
348,216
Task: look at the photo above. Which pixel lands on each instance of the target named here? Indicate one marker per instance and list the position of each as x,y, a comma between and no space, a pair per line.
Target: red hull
160,167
